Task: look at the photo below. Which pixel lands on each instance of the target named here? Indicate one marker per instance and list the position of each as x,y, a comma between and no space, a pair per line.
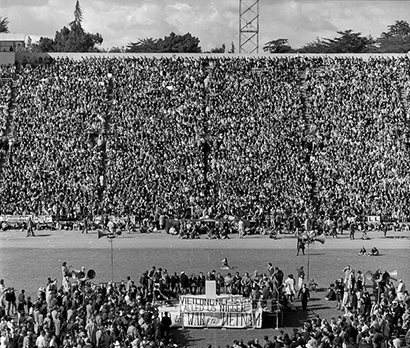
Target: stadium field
26,263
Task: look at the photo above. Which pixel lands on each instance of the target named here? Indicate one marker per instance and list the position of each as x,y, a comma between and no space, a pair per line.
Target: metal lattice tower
248,26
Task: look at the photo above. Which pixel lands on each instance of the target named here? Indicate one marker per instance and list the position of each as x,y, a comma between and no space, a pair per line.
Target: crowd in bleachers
54,165
6,74
248,137
154,140
255,122
5,96
77,313
360,128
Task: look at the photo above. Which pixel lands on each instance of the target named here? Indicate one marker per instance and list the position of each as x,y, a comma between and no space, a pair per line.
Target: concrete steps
9,124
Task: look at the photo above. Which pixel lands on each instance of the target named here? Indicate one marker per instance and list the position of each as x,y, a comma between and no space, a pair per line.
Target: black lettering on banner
190,319
223,319
258,319
201,321
246,319
195,319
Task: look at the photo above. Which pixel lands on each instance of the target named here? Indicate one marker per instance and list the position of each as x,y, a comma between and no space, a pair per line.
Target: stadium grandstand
245,136
276,140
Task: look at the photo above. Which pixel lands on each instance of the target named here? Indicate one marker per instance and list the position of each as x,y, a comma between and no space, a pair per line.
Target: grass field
26,263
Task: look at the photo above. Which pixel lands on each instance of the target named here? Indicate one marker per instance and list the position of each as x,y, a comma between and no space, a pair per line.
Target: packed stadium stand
245,136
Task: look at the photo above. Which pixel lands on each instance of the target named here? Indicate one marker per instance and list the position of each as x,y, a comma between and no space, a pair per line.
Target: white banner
224,319
208,319
43,219
373,219
223,312
237,304
12,219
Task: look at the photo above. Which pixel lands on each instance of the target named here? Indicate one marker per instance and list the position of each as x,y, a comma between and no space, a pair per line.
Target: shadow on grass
314,253
298,317
295,318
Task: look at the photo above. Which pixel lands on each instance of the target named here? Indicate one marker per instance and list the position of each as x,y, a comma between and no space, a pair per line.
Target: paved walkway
75,239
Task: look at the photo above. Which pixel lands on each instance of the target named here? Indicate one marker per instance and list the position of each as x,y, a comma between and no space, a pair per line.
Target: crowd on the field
77,313
250,137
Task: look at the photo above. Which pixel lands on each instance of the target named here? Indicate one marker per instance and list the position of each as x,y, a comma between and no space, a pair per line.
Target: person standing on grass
85,225
40,340
28,341
166,323
30,228
11,301
300,245
22,302
304,295
65,271
2,293
290,288
241,228
352,228
201,283
301,277
184,283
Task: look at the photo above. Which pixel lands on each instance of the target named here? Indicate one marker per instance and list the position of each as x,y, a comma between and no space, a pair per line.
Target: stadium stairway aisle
8,135
103,138
309,145
404,96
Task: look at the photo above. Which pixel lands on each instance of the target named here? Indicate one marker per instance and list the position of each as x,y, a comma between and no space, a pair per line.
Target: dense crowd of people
78,313
5,96
156,124
6,74
54,165
360,128
265,138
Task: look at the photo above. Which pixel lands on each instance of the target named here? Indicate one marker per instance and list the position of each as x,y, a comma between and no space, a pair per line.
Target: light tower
248,26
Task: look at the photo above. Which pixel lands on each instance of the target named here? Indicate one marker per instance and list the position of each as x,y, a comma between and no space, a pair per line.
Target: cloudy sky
213,22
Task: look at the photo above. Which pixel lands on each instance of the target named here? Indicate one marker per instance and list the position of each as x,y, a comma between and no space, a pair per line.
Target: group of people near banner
249,137
125,314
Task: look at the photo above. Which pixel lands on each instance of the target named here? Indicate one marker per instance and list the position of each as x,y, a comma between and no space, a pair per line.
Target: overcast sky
213,22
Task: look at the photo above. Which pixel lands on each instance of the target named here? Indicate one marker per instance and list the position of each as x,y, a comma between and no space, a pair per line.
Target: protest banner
222,312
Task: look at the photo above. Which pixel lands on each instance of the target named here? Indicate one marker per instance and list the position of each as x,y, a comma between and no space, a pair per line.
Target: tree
71,39
179,44
218,49
350,42
316,46
347,42
121,49
4,25
232,50
277,46
78,15
148,45
169,44
60,39
396,39
45,44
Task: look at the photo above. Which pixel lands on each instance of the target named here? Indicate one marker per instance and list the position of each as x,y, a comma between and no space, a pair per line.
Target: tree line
395,40
73,38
